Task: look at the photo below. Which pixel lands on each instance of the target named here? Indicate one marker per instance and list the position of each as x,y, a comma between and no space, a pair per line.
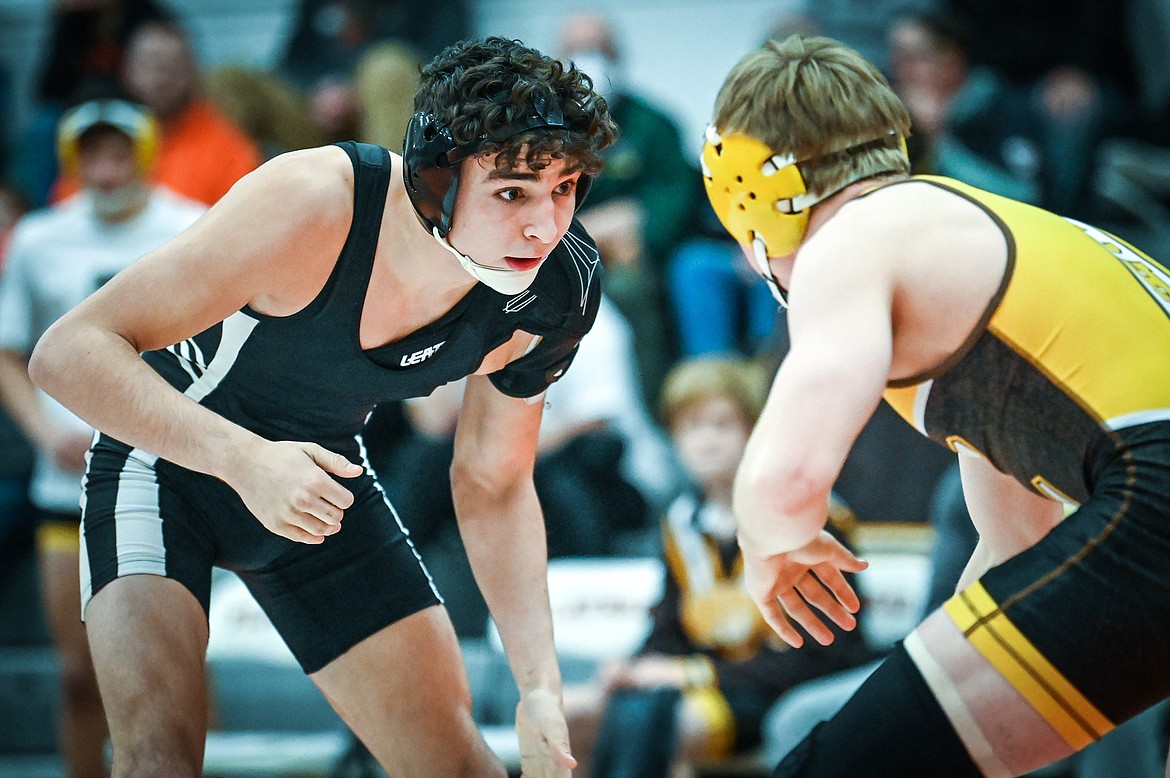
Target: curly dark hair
480,89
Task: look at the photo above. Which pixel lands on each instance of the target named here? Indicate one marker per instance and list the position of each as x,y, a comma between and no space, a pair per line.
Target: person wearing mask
640,205
201,153
56,258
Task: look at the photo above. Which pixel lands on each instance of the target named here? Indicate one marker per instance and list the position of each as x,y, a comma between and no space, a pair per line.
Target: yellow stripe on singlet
1045,688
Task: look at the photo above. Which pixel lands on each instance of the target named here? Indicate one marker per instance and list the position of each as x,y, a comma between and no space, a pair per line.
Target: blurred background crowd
1063,104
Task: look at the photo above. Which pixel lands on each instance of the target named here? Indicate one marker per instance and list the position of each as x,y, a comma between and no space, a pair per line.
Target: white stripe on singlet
1134,419
139,532
585,259
234,333
138,525
921,398
951,701
394,513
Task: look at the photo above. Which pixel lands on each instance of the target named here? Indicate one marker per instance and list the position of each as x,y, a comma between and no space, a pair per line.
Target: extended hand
544,736
288,487
784,585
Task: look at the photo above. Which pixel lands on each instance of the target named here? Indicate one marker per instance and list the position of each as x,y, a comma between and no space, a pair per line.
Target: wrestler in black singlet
305,377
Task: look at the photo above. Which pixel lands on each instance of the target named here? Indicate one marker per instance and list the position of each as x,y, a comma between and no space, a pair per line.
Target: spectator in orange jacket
202,153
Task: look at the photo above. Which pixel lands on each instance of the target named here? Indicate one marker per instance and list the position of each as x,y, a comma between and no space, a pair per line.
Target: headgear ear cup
745,184
134,121
760,195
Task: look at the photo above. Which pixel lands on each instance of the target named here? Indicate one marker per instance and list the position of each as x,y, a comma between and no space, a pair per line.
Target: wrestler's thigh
404,692
148,637
1056,646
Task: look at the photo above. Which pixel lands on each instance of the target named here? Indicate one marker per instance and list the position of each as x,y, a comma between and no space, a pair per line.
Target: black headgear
431,160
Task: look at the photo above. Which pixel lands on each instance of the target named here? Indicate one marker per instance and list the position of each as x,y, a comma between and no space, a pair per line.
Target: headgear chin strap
501,279
762,198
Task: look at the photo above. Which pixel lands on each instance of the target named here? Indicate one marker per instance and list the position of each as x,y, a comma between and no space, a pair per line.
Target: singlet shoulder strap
372,168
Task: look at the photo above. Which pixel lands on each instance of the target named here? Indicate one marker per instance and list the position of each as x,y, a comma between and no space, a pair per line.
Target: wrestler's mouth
523,263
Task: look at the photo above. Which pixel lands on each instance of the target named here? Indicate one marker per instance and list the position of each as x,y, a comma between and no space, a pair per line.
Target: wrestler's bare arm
270,242
503,531
826,389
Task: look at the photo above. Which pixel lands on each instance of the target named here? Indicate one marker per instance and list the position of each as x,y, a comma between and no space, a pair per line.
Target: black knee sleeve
892,727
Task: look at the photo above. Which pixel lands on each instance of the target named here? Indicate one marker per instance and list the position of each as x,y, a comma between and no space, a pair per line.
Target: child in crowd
710,668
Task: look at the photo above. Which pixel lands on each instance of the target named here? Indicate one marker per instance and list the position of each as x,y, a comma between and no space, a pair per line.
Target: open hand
783,587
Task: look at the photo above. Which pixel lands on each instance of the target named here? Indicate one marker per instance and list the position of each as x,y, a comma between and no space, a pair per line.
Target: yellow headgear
135,121
761,197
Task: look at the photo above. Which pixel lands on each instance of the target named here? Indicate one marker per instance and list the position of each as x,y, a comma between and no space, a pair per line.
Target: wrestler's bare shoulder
913,208
318,180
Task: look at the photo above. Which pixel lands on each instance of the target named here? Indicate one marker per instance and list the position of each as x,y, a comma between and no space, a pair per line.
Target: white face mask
502,280
118,204
601,70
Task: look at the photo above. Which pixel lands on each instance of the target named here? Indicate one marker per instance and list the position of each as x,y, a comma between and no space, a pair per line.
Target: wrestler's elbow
48,364
781,507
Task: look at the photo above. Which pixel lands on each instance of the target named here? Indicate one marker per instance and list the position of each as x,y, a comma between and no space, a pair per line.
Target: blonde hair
385,80
700,379
811,96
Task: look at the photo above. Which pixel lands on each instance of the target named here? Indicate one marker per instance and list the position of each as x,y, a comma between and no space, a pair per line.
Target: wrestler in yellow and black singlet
1066,386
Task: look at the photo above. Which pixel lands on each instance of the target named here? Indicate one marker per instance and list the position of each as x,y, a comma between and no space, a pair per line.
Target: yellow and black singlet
1073,349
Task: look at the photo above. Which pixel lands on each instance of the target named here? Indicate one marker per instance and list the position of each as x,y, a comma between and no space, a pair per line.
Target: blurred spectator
861,24
598,434
642,200
1067,59
384,84
55,259
721,305
330,36
966,124
700,685
86,43
201,153
273,114
333,40
333,108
